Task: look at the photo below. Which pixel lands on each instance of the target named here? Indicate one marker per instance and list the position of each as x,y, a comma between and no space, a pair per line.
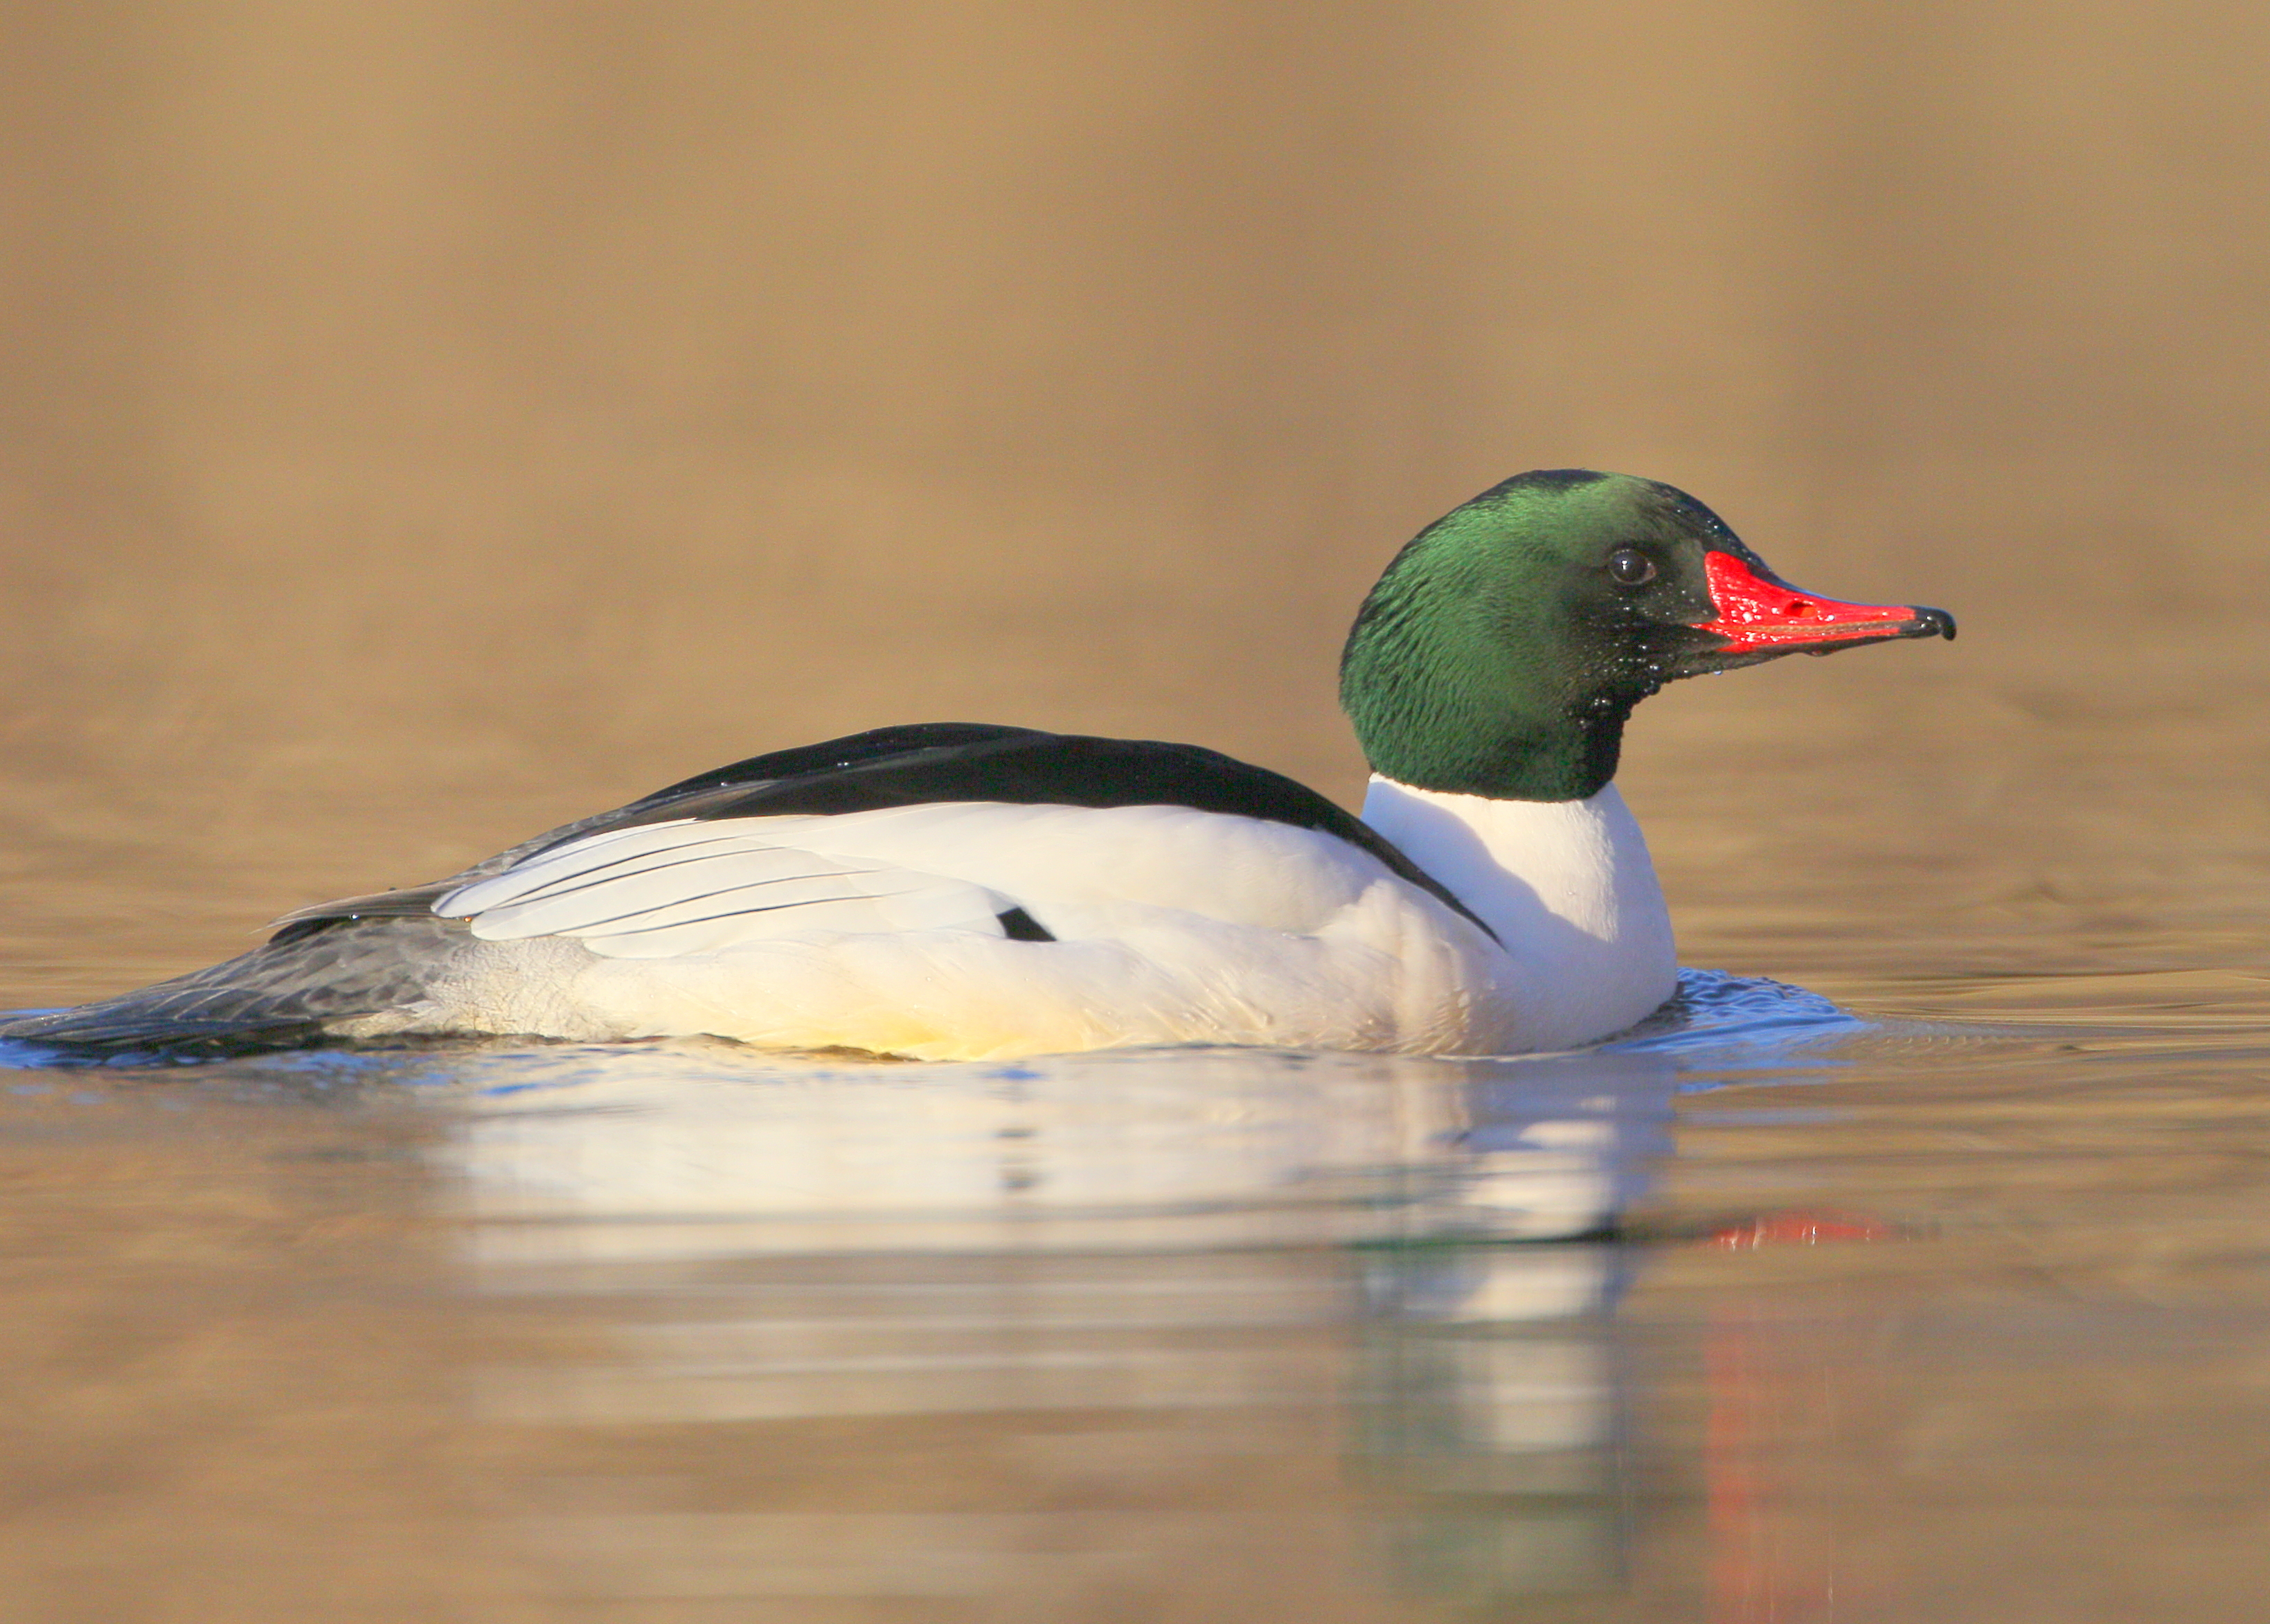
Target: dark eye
1630,567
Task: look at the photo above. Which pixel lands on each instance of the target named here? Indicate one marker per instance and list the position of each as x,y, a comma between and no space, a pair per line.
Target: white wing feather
667,890
690,886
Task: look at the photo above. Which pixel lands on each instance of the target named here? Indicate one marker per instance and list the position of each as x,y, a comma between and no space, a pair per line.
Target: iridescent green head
1504,648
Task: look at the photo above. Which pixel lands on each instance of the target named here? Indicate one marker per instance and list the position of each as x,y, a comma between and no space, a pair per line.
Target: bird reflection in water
1492,1398
1231,1327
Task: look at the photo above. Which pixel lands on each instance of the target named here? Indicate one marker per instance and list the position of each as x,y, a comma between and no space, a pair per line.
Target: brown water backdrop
430,421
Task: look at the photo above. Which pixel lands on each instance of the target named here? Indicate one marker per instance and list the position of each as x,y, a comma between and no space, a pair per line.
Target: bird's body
959,891
883,931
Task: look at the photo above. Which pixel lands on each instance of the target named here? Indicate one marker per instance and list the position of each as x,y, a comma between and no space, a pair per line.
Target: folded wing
666,890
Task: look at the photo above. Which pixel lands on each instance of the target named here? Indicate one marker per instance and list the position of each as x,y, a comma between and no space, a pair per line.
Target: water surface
1769,1313
1917,1268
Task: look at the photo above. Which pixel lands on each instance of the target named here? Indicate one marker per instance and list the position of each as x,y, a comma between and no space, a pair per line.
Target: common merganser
956,891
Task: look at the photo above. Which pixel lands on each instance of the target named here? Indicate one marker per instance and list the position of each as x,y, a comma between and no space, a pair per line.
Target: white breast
1566,886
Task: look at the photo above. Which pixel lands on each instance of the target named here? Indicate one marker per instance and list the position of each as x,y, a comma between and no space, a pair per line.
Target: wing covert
660,890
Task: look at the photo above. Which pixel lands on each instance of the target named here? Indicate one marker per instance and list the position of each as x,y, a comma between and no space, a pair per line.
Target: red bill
1757,613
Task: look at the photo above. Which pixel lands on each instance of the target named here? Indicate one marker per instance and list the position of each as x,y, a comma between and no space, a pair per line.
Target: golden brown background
427,422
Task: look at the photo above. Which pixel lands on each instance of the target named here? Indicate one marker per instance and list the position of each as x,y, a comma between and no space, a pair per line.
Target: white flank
881,931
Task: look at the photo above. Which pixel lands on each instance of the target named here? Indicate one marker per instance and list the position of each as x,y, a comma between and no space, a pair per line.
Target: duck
958,891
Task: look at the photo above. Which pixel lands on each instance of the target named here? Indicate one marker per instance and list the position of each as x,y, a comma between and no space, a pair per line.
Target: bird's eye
1630,568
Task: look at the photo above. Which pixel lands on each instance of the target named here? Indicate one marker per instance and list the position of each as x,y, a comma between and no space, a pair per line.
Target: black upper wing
933,762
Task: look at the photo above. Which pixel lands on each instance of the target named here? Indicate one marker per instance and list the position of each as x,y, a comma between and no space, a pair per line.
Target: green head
1503,649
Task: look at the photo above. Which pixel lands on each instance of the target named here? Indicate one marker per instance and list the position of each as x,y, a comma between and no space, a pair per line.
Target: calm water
430,424
1954,1307
1922,1321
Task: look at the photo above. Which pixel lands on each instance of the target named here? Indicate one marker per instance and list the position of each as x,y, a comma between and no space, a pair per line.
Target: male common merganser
955,891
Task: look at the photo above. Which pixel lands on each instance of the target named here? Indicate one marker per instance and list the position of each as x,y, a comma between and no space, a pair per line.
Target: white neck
1566,887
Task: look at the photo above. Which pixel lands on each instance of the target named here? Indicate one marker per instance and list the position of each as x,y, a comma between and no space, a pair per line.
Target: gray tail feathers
281,995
